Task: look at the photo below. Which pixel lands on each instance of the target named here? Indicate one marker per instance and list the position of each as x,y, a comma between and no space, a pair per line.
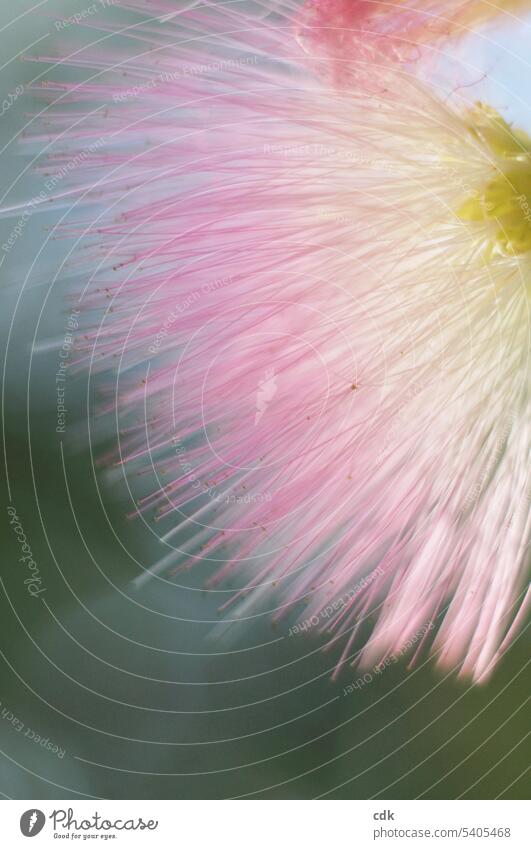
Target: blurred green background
130,683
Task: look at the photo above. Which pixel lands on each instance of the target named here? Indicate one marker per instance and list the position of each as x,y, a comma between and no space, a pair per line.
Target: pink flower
319,325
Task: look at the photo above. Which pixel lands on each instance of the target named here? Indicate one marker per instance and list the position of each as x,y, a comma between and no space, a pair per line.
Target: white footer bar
265,824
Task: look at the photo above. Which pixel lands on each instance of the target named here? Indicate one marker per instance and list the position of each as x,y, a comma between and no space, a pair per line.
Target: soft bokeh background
131,683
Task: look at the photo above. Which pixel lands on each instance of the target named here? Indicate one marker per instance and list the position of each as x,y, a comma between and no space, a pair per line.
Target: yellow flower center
504,203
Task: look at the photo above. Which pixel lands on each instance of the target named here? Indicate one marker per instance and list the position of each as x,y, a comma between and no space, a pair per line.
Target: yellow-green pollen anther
505,201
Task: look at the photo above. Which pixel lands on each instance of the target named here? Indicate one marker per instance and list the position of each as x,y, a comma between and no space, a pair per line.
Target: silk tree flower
314,302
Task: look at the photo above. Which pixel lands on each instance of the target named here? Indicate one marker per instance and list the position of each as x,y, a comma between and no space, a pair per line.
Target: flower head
320,293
